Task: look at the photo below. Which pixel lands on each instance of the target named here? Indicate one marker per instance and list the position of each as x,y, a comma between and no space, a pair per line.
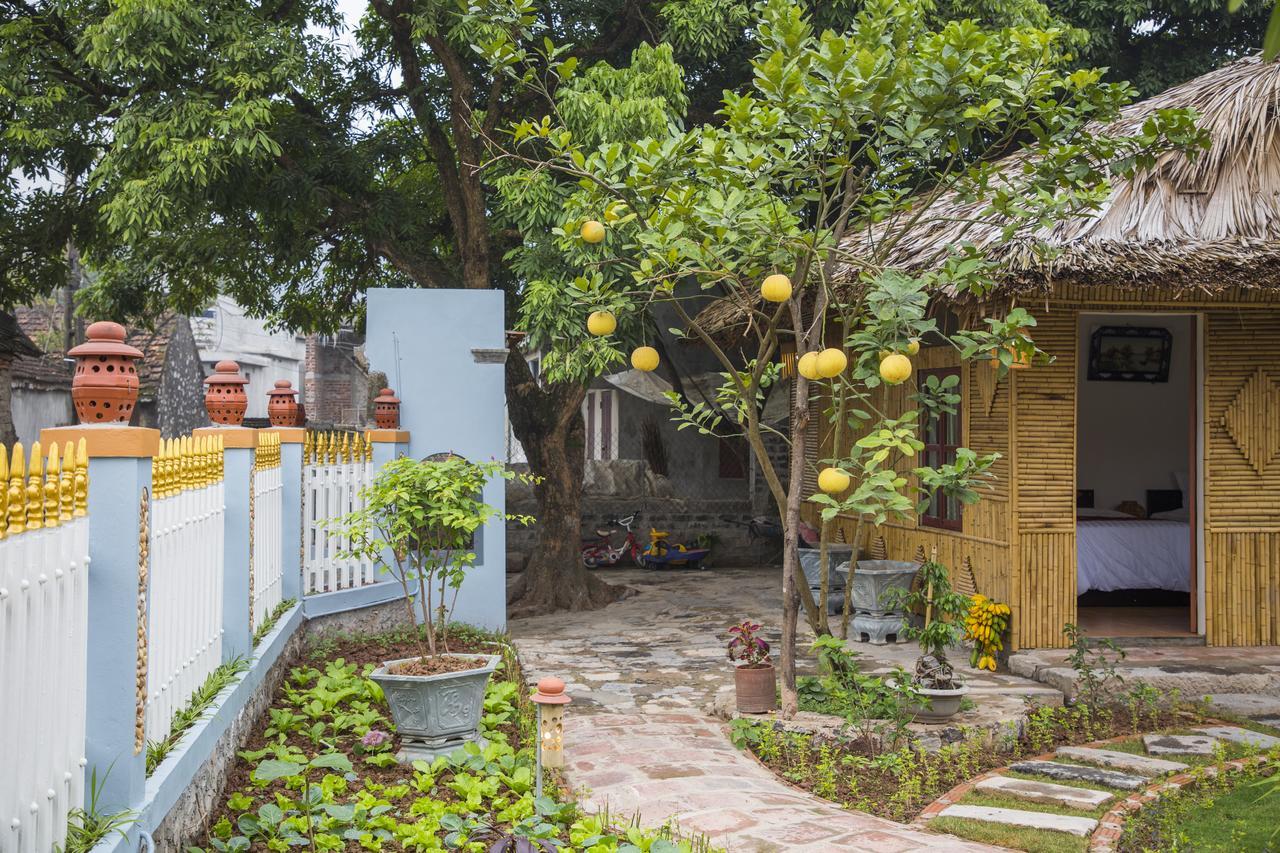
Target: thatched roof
1192,224
1210,222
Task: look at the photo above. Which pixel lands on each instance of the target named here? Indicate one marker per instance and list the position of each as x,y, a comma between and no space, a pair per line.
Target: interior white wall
1133,435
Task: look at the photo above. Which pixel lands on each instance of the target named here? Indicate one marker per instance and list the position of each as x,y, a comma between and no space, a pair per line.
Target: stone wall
180,398
336,384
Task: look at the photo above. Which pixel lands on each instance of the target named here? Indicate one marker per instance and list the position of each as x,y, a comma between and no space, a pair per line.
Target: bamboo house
1138,486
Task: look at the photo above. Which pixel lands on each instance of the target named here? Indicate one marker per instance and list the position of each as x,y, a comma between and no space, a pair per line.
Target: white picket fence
267,582
336,466
44,544
184,633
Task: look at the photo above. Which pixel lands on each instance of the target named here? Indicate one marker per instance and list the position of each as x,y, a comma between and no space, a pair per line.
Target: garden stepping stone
1239,735
1076,773
1139,765
1158,744
1044,792
1072,824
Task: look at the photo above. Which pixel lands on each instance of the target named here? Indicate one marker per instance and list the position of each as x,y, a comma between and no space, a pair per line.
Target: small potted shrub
753,675
934,679
419,522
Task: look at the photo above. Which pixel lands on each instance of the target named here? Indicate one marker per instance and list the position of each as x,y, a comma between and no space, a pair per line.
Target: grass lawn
1238,818
1013,837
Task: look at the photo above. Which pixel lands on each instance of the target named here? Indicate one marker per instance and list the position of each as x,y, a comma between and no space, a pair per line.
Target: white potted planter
436,714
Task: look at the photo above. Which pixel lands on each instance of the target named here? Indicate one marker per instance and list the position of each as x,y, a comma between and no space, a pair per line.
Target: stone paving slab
1245,736
1158,744
1247,704
683,768
1081,826
1044,792
1076,773
1139,765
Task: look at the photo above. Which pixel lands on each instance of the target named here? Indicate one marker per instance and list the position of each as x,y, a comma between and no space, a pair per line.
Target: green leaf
273,769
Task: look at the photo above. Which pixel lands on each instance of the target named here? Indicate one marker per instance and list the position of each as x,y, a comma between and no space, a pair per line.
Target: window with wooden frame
941,440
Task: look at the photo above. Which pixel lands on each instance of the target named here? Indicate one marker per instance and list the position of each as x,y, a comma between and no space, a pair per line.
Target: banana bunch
985,625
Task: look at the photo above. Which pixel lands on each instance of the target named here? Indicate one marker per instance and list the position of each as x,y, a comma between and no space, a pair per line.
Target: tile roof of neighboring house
52,369
45,369
13,340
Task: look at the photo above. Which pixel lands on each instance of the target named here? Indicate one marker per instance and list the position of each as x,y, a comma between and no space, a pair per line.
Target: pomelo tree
788,207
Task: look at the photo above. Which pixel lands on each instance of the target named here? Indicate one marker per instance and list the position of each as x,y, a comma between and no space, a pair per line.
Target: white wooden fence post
119,469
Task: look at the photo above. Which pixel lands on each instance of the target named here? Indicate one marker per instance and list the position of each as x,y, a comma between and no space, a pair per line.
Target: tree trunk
548,422
8,434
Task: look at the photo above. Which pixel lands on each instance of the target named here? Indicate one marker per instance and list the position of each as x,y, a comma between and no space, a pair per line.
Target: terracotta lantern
105,386
224,396
282,404
386,410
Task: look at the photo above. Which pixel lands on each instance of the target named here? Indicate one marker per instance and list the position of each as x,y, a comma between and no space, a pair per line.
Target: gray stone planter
873,578
811,562
943,704
436,714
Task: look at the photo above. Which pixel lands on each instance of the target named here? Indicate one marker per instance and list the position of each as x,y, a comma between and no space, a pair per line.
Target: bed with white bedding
1114,553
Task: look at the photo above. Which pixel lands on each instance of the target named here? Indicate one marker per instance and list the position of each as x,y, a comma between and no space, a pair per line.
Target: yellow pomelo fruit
831,363
592,231
895,369
776,288
914,347
833,480
644,358
601,323
807,366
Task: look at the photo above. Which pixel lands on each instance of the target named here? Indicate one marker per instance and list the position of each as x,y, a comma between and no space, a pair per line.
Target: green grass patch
1006,801
1013,837
1226,813
222,677
272,618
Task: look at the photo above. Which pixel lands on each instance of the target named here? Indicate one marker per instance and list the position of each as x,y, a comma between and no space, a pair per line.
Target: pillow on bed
1090,512
1180,514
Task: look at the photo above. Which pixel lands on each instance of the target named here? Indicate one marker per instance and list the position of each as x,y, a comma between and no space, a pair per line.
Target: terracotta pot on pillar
105,386
282,404
386,410
224,396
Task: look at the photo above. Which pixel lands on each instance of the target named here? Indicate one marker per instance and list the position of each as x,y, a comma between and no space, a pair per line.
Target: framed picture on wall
1130,354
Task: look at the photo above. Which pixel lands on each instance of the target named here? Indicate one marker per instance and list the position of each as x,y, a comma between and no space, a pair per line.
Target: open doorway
1136,531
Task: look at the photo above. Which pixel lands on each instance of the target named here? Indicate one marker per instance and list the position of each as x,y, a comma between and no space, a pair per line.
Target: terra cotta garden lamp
224,396
550,699
282,404
105,386
386,410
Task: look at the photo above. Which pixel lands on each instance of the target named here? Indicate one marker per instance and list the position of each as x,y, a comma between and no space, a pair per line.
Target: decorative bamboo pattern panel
1044,425
1242,486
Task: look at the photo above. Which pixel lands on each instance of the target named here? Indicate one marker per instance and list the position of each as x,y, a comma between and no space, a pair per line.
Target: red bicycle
602,552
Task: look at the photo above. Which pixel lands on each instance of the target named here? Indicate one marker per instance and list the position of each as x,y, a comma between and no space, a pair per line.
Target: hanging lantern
386,410
224,396
105,386
282,404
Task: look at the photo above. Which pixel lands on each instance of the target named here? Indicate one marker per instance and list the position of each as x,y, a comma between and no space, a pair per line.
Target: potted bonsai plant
418,521
753,674
934,679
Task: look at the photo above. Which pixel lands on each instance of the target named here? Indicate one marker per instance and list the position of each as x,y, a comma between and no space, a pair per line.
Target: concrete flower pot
942,705
436,714
874,578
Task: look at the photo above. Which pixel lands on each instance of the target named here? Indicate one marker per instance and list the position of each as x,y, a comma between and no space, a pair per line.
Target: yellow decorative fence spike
82,478
52,516
66,483
346,447
17,493
35,490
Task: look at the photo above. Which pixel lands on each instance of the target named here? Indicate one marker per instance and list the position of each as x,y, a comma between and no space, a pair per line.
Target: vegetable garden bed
319,772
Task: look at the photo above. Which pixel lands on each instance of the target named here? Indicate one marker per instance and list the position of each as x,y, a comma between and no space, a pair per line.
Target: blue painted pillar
238,446
119,484
444,352
291,439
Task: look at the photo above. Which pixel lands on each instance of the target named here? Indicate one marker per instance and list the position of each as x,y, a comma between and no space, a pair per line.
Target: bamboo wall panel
1044,477
1242,482
984,537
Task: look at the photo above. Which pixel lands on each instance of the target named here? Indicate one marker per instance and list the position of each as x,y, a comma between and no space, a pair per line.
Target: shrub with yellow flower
985,626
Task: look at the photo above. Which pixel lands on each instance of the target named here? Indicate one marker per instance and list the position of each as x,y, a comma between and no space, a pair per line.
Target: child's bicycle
602,552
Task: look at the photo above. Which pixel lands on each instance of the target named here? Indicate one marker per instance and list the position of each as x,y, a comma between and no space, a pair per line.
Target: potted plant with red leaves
753,675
